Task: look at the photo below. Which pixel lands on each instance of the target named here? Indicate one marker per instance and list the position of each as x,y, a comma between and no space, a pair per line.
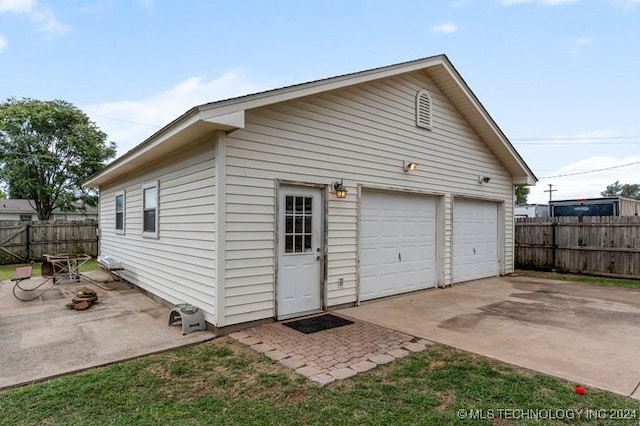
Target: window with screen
119,201
150,210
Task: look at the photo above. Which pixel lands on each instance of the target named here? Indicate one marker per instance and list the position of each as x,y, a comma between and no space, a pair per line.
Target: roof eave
472,109
188,127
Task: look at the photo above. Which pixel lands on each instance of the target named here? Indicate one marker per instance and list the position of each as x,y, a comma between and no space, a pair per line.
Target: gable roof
229,114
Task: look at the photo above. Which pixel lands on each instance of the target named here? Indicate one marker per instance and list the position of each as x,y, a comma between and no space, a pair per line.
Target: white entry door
299,251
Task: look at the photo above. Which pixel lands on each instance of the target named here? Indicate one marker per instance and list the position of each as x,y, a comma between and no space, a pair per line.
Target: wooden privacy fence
591,245
26,241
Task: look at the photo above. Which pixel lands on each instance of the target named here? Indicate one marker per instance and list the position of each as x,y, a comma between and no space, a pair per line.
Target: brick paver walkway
334,354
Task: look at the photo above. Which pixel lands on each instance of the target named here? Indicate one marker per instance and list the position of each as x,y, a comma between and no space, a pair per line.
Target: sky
561,78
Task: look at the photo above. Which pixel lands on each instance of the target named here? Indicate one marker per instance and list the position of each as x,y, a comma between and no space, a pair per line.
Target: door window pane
298,219
289,204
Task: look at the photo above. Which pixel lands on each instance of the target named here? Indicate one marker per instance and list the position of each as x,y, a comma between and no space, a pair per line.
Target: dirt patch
437,364
445,403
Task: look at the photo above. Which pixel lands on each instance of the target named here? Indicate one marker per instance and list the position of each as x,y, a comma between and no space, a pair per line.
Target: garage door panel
397,243
475,240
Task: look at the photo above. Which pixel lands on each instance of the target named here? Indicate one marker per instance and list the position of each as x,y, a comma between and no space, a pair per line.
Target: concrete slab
42,338
584,333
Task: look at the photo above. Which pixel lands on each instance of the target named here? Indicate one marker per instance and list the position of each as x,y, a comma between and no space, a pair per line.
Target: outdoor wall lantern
483,179
339,189
409,166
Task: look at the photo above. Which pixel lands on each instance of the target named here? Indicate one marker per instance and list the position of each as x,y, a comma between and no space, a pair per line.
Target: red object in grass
579,390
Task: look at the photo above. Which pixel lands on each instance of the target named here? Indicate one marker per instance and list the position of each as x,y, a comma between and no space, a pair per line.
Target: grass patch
587,279
6,271
225,383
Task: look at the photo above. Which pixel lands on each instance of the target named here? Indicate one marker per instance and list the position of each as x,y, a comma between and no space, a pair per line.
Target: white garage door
397,243
475,240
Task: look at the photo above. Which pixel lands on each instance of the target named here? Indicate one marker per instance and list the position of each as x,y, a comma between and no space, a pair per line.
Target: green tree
626,190
521,194
47,149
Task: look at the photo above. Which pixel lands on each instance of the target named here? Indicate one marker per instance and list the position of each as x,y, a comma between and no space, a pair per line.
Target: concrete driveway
42,338
587,334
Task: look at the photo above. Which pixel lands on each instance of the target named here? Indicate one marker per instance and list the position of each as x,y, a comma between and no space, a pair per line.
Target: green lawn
6,271
586,279
224,383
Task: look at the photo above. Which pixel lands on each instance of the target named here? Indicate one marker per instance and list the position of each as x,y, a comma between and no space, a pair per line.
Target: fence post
554,245
28,231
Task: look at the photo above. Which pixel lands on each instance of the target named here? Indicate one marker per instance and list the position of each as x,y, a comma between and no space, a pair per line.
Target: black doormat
319,323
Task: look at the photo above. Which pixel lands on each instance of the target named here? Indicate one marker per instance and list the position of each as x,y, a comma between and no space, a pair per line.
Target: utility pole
550,191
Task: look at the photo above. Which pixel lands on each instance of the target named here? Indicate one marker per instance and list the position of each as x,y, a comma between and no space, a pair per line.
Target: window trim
153,184
124,210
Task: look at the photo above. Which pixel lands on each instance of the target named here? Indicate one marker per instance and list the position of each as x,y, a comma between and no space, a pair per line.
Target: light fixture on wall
483,179
409,166
339,189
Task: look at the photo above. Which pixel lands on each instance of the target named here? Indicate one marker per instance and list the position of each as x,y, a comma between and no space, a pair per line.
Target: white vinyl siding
178,266
362,134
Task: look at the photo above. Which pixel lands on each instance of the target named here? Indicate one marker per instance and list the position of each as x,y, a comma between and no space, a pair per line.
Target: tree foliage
626,190
47,149
522,192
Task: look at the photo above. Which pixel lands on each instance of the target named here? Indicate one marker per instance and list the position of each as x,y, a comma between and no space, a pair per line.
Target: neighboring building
531,210
239,206
607,206
12,209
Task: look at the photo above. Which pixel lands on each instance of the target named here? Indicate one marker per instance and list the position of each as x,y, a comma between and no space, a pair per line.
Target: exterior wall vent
423,109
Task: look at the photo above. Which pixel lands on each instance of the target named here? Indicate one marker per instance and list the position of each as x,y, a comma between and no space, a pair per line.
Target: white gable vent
423,109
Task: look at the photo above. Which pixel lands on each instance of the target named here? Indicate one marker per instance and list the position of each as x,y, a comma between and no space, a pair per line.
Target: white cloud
44,18
626,2
580,41
446,28
129,122
48,23
17,6
572,182
542,2
3,43
148,5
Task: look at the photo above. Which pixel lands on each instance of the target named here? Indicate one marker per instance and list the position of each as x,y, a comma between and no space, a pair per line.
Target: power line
591,171
155,126
573,138
560,143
